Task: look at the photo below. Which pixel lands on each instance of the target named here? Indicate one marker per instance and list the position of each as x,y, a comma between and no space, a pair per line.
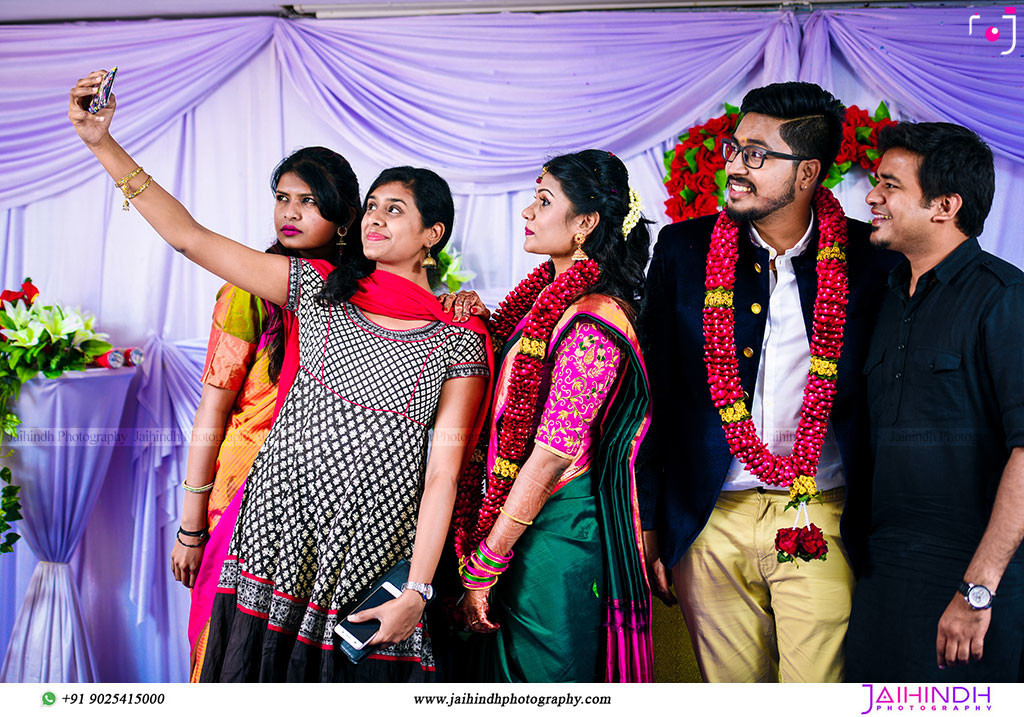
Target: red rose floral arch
696,168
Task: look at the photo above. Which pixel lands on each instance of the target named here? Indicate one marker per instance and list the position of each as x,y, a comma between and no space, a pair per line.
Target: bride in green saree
546,524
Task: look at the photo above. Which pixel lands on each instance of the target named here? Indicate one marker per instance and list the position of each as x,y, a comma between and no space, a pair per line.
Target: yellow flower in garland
717,297
826,368
802,490
736,412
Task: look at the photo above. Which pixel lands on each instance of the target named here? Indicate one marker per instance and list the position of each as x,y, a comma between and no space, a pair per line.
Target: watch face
979,596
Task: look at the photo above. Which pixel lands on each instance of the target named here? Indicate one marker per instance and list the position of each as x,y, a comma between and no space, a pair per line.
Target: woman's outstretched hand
92,128
465,304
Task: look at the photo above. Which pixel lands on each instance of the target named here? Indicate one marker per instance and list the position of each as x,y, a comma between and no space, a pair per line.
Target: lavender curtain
168,68
498,95
924,60
70,426
168,397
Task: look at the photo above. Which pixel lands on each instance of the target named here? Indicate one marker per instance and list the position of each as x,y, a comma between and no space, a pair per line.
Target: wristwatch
426,590
978,597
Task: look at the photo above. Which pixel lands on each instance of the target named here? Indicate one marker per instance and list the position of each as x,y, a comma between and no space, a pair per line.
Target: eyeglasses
753,156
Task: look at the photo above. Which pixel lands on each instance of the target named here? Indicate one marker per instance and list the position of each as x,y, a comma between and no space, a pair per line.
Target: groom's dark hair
813,118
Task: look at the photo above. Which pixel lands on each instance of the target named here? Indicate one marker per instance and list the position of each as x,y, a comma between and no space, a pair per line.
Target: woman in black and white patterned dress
342,488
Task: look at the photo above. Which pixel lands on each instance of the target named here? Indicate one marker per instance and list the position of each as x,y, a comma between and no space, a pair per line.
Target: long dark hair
336,190
597,181
433,201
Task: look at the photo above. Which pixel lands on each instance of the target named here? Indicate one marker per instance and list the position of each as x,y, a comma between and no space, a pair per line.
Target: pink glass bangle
494,556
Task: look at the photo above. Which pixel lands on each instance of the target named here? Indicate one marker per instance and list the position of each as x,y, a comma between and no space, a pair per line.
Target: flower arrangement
696,169
35,339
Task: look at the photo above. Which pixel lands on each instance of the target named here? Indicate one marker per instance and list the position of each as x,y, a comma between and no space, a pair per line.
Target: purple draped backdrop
480,98
69,429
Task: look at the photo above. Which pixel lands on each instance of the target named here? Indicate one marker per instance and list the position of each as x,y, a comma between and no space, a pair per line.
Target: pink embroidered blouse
585,370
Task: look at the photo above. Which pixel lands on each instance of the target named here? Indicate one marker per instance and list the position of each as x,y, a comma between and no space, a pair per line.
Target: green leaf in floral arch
691,159
669,157
16,354
688,195
845,166
720,180
872,154
709,144
26,374
731,109
834,177
6,322
96,347
871,178
882,112
863,134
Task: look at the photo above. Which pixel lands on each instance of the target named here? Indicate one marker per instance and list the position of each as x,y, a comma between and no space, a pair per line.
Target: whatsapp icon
49,698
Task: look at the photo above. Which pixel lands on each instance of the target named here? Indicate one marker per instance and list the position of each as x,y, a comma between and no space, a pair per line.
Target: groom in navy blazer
709,524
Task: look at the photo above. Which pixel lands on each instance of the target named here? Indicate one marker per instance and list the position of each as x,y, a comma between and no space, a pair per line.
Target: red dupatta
386,294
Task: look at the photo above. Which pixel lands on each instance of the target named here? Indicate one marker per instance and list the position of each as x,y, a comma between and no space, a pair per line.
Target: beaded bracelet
203,489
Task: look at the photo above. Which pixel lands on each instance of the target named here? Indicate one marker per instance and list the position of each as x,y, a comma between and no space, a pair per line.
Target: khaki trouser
752,618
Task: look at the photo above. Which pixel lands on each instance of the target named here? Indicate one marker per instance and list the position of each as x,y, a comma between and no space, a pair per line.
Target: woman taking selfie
341,490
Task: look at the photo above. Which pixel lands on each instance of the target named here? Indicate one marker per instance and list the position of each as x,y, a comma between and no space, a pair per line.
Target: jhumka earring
342,231
428,261
579,254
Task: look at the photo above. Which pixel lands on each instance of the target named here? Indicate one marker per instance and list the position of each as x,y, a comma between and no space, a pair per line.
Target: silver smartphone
357,634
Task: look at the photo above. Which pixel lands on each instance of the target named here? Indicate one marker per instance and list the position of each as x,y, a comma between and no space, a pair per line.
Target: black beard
754,214
876,241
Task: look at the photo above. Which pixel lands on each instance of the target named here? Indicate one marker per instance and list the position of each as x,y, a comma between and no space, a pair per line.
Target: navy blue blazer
685,458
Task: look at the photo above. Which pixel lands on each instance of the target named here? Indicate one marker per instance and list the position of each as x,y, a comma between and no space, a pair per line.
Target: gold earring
579,254
428,261
342,231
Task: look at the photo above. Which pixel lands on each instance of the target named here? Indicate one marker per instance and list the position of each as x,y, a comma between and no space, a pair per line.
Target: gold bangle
136,193
204,489
127,178
512,517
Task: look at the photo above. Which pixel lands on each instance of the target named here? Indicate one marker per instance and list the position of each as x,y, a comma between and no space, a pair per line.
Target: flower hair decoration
633,217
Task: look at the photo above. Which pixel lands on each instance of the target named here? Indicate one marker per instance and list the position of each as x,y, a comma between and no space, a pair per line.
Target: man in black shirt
944,582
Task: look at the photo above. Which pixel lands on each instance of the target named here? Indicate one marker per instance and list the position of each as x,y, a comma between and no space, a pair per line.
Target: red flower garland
798,469
475,513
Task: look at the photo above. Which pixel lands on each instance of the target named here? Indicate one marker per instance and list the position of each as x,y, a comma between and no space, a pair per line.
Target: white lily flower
19,312
26,337
58,324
